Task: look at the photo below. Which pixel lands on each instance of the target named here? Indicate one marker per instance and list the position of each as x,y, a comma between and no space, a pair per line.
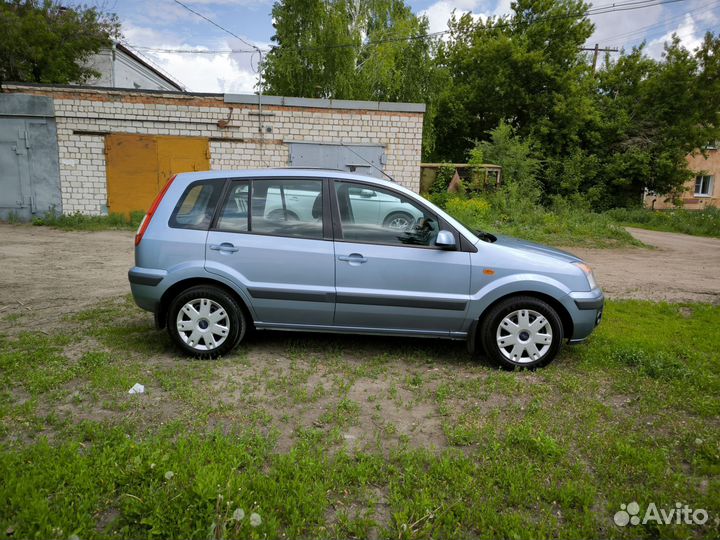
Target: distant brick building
704,188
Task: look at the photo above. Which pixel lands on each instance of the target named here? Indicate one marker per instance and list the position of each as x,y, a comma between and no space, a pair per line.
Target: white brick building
231,131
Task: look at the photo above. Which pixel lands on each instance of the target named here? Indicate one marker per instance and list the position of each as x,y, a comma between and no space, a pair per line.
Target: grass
82,222
332,436
696,222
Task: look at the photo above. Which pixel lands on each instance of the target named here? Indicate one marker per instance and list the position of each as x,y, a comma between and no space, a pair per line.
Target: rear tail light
146,220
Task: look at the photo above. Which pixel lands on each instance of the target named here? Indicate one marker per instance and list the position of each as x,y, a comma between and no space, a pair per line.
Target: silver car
328,251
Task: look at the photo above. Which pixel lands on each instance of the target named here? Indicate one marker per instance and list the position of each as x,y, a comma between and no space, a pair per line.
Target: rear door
272,238
389,278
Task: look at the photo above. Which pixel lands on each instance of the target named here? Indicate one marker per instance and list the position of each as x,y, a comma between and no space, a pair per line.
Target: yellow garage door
139,165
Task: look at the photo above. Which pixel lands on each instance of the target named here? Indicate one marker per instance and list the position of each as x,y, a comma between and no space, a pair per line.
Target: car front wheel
206,322
400,221
522,332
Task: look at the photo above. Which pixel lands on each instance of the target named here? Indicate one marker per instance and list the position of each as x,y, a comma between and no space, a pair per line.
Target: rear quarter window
196,206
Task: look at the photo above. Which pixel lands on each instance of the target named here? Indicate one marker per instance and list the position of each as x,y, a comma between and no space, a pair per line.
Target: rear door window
196,207
276,207
291,208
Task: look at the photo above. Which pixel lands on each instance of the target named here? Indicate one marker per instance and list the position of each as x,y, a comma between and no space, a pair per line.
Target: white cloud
687,31
244,3
202,72
209,72
440,12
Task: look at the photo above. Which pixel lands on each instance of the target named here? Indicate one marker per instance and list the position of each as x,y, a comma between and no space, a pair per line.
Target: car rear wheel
400,221
206,322
522,332
282,215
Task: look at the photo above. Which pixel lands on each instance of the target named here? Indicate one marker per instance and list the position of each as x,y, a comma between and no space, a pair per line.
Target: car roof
289,173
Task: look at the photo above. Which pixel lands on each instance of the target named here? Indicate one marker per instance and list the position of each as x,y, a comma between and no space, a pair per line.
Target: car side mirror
445,240
367,193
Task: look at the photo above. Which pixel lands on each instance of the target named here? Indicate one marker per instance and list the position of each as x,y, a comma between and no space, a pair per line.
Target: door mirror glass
445,239
367,193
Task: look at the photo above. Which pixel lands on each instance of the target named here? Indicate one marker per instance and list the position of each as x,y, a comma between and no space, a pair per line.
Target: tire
206,322
532,332
394,220
282,215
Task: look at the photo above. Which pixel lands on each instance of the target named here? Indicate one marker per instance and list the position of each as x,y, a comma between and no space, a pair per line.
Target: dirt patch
49,273
681,268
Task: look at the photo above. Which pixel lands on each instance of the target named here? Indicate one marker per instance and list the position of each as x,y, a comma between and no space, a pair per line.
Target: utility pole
596,50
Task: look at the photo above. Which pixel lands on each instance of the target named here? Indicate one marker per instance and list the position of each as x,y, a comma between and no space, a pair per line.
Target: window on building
703,185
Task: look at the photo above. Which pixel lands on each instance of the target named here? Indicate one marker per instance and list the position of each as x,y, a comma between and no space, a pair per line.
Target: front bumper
586,312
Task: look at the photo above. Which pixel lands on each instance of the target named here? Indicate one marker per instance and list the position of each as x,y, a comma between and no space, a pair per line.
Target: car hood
532,247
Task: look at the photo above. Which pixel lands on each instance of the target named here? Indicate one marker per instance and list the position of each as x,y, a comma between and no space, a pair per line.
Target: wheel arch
568,328
177,288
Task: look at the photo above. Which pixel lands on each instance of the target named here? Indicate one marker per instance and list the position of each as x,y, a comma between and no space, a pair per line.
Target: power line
662,24
233,34
600,10
193,51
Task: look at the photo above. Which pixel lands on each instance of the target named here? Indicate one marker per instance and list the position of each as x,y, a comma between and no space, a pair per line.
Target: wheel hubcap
203,324
524,336
398,223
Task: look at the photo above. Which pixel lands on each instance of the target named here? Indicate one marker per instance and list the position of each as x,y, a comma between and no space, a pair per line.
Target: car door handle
225,246
353,258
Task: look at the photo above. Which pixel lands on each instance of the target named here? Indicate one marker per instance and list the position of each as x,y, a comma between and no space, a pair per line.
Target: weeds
82,222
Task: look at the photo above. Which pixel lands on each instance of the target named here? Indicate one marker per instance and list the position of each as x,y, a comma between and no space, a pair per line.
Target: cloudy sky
152,27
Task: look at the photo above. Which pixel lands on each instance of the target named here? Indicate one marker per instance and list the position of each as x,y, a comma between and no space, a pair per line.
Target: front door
272,240
389,274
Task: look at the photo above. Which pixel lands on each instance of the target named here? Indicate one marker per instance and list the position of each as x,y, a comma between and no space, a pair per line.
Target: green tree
44,42
524,69
348,49
352,49
653,114
606,136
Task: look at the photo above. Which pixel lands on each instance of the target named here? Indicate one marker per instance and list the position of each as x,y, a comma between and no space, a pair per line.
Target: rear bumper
146,286
145,276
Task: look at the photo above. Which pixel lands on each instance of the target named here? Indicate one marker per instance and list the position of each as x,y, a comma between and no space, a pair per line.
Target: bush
442,179
473,212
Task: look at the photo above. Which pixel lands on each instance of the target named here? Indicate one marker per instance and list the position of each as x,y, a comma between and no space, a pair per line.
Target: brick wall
84,115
